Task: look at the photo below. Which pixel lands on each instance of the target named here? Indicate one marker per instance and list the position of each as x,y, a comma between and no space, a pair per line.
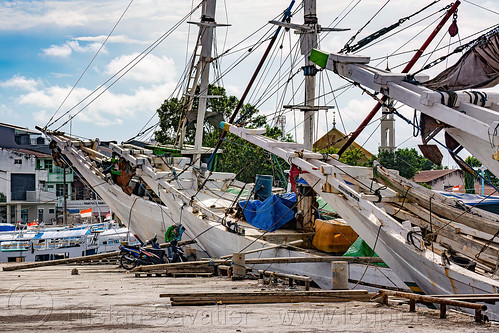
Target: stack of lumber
260,297
183,271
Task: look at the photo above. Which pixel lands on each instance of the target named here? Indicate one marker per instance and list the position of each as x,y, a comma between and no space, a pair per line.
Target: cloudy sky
46,45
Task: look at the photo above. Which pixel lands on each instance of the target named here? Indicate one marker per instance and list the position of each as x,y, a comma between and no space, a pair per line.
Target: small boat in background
489,203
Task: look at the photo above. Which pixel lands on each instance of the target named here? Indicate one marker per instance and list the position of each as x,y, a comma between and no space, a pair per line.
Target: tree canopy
239,156
407,161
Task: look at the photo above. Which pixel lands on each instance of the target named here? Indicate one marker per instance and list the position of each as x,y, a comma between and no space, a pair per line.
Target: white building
23,185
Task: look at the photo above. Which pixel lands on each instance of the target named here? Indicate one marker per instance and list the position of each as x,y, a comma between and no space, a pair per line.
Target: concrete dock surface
106,298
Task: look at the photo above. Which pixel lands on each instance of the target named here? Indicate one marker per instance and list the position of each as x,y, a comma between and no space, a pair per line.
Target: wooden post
238,266
443,310
306,200
478,316
412,305
339,275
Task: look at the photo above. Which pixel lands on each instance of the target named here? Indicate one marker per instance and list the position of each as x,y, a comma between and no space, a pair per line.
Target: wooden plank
296,242
465,295
318,293
261,299
171,265
257,261
285,276
287,260
77,259
431,299
445,228
61,261
441,205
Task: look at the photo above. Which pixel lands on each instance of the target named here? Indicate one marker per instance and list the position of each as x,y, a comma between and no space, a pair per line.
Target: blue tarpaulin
272,213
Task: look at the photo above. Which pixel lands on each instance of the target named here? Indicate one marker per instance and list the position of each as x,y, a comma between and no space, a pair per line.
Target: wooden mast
308,41
206,26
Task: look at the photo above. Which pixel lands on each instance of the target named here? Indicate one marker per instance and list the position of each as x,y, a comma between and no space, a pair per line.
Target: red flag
86,213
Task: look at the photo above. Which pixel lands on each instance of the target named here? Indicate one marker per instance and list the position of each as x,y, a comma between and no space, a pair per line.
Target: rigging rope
347,45
131,64
470,45
90,63
363,42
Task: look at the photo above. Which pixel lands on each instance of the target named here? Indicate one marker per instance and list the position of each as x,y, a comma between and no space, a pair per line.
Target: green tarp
361,249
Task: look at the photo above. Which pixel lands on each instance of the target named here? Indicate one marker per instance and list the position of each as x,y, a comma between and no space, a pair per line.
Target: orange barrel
333,236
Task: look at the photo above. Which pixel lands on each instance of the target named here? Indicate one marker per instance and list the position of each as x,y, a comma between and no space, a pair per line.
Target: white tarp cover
62,234
477,68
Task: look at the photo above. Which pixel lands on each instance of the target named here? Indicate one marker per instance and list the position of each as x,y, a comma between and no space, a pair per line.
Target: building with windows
31,186
24,189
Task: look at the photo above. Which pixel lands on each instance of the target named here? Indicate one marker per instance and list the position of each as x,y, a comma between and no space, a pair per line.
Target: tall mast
308,41
206,27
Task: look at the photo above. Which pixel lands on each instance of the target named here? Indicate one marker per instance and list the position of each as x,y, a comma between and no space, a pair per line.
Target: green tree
407,161
217,109
239,156
469,179
351,156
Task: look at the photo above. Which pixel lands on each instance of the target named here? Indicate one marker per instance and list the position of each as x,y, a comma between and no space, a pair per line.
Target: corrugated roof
32,152
335,138
430,175
19,128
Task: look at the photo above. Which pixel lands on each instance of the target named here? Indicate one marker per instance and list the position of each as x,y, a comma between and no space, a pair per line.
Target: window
59,190
20,183
18,161
40,215
51,211
24,215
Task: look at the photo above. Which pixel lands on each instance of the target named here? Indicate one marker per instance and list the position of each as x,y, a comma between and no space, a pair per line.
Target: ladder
190,89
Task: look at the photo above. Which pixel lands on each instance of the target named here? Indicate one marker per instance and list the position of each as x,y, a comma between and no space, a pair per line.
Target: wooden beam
61,261
77,259
432,299
441,205
445,228
267,297
296,242
264,261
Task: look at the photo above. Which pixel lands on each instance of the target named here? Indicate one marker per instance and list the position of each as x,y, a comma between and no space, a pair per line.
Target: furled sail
477,68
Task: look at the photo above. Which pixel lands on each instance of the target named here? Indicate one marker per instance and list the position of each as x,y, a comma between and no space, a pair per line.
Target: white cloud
109,109
151,69
20,82
62,51
66,49
112,39
22,15
91,47
6,110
